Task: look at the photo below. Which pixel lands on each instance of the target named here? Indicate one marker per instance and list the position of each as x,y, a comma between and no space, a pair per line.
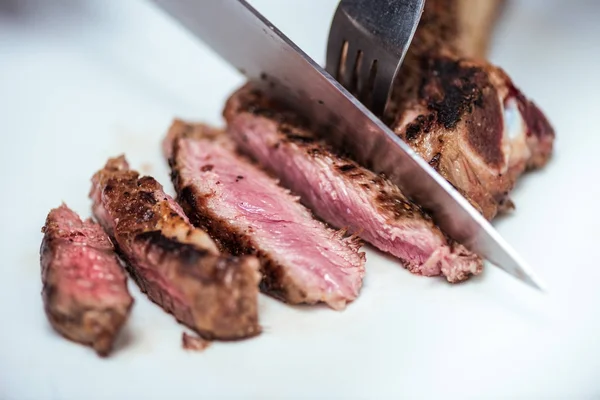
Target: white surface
84,80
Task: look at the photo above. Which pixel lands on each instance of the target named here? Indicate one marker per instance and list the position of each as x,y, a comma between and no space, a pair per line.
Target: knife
248,41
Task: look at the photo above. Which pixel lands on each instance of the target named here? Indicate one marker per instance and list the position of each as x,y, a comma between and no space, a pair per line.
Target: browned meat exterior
176,265
84,287
340,191
464,115
475,128
247,212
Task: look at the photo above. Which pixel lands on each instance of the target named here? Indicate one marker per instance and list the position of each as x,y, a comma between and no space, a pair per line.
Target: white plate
84,80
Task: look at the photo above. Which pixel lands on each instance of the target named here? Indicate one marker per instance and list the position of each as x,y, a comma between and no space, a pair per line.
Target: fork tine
349,71
368,74
377,34
336,44
335,48
343,64
355,80
381,91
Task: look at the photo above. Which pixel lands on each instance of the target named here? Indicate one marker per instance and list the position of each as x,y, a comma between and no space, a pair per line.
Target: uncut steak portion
475,128
84,287
177,265
342,192
247,212
461,113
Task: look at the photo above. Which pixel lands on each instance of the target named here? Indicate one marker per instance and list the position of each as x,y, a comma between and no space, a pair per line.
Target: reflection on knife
249,42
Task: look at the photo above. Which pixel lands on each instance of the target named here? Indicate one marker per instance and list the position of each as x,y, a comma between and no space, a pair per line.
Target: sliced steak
84,287
462,114
342,192
178,266
302,260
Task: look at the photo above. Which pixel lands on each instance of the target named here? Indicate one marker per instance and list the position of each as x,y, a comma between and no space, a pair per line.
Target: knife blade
244,38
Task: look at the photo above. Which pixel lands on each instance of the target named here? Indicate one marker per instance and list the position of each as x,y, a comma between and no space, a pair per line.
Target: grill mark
457,90
346,167
187,253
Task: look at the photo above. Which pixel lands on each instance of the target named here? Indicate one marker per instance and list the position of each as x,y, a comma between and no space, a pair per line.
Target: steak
461,113
247,212
340,191
84,287
178,266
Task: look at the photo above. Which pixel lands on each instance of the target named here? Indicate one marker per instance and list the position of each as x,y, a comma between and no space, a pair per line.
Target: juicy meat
84,287
176,265
464,115
342,192
302,260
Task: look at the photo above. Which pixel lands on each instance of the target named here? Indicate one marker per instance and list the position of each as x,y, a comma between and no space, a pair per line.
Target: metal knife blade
248,41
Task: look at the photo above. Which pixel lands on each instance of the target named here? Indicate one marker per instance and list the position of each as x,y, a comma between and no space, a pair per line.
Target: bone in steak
342,192
302,260
84,287
462,114
176,265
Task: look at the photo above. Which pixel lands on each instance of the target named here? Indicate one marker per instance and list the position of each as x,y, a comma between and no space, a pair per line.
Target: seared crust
68,291
176,265
459,130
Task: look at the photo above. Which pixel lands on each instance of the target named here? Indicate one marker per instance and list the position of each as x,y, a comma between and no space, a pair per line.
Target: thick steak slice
461,113
176,265
84,287
303,261
342,192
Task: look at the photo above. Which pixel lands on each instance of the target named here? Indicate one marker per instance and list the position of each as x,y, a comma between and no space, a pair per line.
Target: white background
84,80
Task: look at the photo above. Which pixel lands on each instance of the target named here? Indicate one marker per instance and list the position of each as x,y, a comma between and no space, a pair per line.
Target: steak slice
84,287
302,260
461,113
176,265
342,192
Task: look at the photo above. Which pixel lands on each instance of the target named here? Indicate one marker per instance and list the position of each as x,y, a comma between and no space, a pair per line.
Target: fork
368,40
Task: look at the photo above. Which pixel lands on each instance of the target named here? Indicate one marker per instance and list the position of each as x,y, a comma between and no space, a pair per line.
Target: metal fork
367,43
